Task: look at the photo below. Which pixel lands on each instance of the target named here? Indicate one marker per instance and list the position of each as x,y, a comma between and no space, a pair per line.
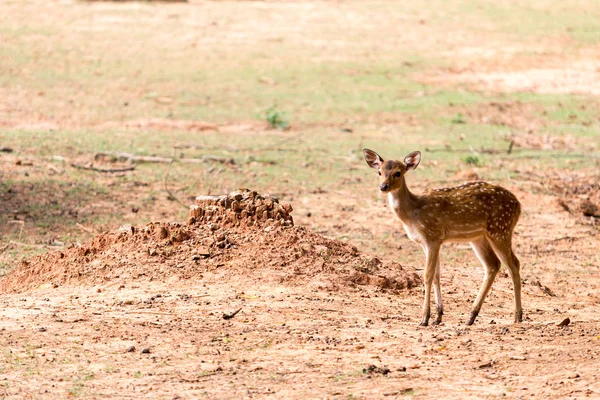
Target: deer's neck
402,202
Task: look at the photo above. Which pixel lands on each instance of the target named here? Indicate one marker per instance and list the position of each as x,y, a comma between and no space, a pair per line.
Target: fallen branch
18,222
131,158
222,160
276,144
104,170
470,150
171,195
148,312
84,228
37,246
134,159
213,199
204,147
55,170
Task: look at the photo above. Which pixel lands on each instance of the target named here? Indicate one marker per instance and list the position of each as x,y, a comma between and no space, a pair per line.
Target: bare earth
307,327
148,312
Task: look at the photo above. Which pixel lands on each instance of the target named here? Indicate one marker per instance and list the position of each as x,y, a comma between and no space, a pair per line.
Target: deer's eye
379,173
397,174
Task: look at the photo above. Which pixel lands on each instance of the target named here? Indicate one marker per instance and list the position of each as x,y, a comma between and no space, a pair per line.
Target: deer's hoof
518,318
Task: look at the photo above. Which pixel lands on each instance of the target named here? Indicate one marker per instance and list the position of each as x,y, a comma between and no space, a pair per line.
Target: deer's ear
412,160
372,158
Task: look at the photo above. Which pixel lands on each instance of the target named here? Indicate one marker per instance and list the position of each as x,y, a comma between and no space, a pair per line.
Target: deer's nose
384,187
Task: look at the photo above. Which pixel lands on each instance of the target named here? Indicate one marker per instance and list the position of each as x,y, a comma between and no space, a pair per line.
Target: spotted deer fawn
479,213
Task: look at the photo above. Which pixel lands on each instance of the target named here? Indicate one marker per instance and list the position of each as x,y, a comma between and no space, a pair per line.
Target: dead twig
85,228
18,222
386,318
276,144
37,246
103,170
204,147
544,288
560,238
135,159
231,315
131,158
469,150
55,170
486,365
148,312
222,160
171,195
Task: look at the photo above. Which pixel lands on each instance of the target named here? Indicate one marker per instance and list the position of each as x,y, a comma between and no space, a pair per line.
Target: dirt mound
242,234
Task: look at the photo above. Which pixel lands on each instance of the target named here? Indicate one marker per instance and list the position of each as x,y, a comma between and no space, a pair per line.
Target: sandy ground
310,330
167,338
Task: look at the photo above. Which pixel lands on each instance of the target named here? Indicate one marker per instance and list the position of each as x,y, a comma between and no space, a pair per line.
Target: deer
479,213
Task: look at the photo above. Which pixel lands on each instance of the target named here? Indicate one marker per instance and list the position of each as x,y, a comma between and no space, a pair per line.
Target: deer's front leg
439,305
432,251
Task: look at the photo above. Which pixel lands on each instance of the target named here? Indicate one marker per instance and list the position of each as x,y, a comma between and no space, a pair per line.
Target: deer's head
391,172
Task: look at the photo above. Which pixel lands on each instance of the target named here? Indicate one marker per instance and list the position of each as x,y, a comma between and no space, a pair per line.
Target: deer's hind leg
437,290
491,263
503,249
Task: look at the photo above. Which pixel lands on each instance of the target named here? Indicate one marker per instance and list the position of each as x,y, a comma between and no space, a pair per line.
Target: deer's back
469,210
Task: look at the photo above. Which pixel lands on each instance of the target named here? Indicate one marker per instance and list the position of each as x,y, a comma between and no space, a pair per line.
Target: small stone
236,196
203,251
145,350
130,349
42,329
127,228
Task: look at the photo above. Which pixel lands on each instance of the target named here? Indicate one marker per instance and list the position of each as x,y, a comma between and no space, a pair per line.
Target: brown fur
482,214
